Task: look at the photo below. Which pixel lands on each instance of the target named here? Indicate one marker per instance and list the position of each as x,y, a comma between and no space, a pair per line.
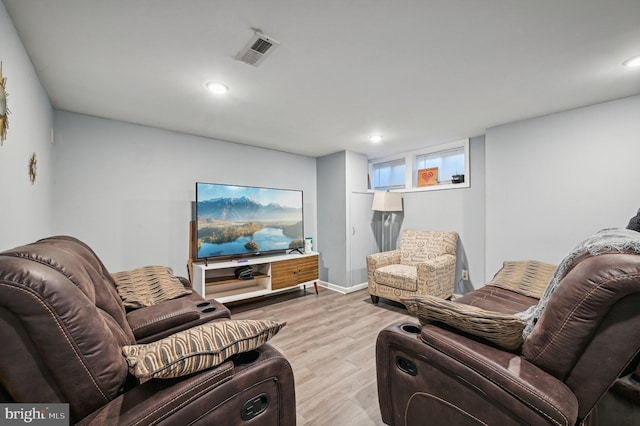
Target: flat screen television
237,221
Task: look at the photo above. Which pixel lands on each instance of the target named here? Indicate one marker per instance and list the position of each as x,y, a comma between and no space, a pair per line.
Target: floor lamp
386,202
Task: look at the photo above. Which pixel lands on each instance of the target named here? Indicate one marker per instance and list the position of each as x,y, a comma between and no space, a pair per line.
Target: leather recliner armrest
158,398
539,390
154,319
478,381
158,321
259,384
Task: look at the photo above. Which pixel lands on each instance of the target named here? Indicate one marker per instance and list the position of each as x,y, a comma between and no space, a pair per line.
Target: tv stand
272,274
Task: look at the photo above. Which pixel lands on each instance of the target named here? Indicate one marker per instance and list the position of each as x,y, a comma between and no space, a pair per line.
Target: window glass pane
388,175
395,171
449,163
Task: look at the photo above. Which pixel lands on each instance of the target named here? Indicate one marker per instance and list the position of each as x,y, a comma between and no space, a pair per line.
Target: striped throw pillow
198,348
504,330
527,277
148,286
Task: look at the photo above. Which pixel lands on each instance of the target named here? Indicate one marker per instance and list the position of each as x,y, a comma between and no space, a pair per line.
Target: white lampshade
387,201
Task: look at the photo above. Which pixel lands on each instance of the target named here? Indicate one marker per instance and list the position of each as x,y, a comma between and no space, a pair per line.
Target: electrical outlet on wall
465,275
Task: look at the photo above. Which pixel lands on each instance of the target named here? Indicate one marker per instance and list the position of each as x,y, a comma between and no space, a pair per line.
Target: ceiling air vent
258,48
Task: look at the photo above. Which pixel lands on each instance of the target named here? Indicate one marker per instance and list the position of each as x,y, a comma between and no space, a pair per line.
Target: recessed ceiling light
375,138
632,62
216,87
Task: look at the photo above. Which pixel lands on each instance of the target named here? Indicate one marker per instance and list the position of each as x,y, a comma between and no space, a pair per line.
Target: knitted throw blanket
611,240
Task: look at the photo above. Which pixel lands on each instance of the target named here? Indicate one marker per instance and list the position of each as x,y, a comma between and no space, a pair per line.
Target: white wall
360,236
25,207
461,210
340,175
332,219
126,190
553,181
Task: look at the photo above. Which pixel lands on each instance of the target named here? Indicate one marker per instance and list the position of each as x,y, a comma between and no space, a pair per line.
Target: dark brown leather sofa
588,336
63,326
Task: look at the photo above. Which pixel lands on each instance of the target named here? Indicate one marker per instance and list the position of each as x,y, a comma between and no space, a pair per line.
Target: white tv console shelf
272,274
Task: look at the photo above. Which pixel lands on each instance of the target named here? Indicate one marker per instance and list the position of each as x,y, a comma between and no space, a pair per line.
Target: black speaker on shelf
244,273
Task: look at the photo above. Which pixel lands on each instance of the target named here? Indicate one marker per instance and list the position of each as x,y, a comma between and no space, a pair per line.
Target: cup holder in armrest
410,328
246,358
209,310
203,304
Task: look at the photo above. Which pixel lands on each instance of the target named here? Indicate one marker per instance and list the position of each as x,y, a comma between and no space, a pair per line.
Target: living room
114,173
538,185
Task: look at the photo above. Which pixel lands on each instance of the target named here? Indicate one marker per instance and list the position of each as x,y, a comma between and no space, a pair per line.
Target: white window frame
399,160
411,170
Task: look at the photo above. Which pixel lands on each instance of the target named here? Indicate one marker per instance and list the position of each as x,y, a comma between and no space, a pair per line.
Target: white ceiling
420,72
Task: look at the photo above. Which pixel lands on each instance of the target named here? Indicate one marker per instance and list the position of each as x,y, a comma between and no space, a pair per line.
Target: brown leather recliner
588,335
63,326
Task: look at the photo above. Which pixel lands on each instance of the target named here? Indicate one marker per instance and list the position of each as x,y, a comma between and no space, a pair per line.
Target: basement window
444,166
388,175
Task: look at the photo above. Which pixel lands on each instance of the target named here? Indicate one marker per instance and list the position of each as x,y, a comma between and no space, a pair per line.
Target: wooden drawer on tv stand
288,273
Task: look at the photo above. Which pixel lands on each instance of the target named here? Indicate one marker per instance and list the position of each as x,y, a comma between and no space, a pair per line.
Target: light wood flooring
329,340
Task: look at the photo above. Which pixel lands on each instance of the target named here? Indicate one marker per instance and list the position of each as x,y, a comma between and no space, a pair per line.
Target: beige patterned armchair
423,263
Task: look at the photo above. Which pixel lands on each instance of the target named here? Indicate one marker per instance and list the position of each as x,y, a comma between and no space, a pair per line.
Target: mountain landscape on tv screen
245,208
229,226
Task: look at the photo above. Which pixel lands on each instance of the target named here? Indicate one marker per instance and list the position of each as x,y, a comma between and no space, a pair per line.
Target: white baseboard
343,290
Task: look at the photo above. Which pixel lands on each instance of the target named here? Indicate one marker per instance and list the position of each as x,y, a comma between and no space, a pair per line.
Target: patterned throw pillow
528,277
148,286
198,348
502,329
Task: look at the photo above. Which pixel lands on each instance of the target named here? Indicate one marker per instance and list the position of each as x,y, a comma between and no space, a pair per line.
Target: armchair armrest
416,373
437,276
378,260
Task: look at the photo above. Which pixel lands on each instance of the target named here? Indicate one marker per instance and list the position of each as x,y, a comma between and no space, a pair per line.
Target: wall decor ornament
33,161
427,177
4,110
